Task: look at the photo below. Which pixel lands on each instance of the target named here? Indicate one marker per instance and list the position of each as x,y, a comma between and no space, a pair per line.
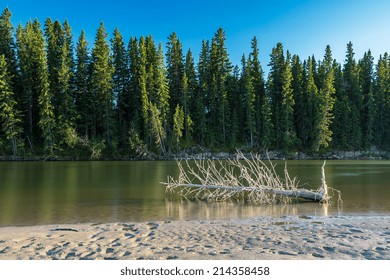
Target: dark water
75,192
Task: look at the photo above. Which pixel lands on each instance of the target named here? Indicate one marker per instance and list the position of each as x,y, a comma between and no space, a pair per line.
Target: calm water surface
75,192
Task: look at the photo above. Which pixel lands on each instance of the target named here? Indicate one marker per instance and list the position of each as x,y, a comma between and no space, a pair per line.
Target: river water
34,193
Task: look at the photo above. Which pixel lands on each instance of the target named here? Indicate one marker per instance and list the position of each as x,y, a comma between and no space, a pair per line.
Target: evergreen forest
64,97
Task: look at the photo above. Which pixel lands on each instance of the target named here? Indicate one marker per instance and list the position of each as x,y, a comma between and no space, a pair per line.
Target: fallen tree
241,178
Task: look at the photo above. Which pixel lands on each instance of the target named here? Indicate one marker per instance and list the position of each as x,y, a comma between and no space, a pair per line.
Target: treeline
64,99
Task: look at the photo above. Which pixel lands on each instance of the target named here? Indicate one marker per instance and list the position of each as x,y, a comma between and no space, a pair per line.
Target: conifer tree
382,94
368,114
299,82
249,101
83,96
190,91
101,86
287,107
175,72
201,101
353,91
135,114
324,109
9,115
262,110
341,125
220,69
7,48
120,81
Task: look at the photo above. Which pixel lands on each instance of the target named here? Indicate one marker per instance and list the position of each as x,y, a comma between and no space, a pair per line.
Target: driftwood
243,179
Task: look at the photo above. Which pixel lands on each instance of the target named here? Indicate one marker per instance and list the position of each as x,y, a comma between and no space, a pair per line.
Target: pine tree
7,48
287,107
9,115
262,110
175,72
249,99
368,112
353,91
382,95
135,115
201,101
144,95
178,124
300,108
341,125
312,103
220,69
324,110
83,96
281,93
38,106
101,86
191,92
120,85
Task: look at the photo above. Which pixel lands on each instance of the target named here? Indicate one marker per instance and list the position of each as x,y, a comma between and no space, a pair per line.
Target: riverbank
283,238
201,153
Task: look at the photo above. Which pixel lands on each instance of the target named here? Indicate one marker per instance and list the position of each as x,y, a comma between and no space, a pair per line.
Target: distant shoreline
207,154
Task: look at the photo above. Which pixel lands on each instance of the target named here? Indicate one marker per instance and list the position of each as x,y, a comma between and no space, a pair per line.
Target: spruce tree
287,107
202,99
8,49
368,111
83,96
120,85
191,92
324,110
353,91
382,95
101,86
249,99
262,110
220,69
9,115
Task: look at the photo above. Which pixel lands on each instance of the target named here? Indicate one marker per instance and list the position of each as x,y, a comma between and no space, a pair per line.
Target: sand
277,238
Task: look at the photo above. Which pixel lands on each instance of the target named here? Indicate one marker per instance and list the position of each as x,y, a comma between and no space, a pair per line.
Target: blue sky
304,27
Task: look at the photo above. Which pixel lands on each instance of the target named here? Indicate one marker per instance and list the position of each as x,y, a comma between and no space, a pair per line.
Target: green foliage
112,100
9,115
178,123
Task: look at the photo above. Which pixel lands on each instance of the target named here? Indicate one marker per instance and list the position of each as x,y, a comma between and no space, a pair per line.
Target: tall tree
190,92
368,110
175,72
38,106
101,86
220,68
120,85
382,95
9,115
7,48
325,100
281,93
287,107
249,99
83,95
353,91
262,109
201,101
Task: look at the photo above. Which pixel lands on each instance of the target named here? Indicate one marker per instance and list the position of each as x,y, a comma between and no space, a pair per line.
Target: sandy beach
280,238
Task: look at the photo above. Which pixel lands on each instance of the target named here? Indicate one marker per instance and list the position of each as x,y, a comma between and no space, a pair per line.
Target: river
33,193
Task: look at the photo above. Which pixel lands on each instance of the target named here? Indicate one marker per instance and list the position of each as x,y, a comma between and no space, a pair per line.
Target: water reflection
76,192
185,210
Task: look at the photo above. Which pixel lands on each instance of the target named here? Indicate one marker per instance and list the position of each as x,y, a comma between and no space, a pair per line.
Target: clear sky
304,27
